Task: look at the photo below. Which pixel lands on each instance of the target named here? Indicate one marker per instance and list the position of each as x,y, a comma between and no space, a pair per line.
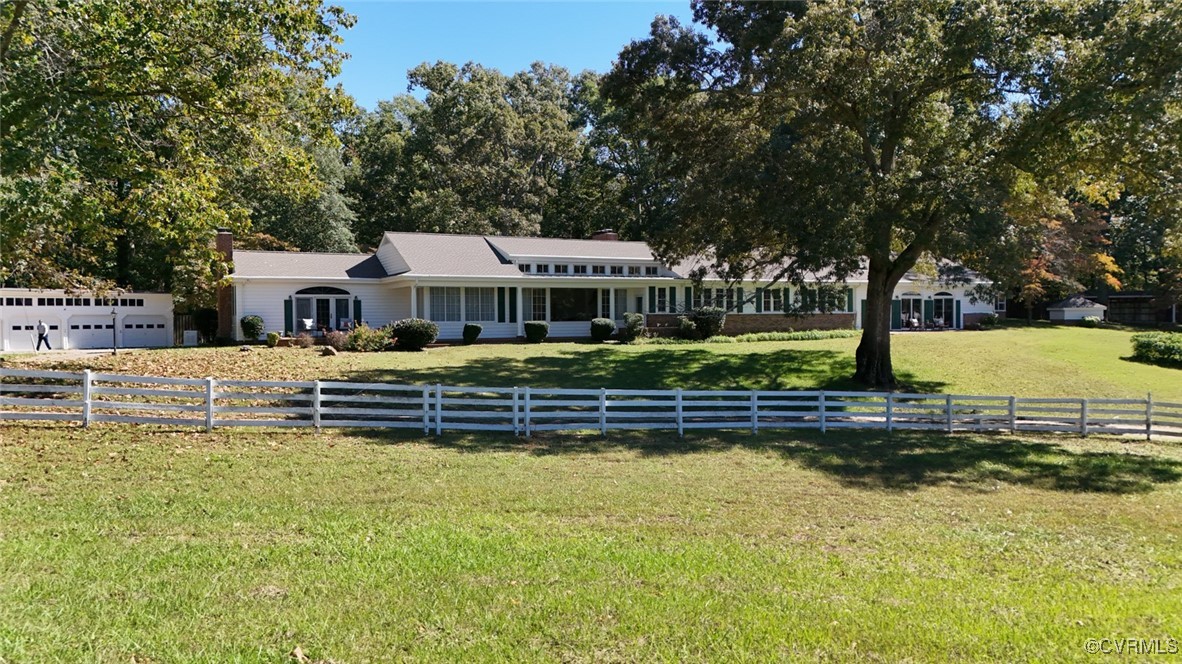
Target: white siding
452,330
380,303
157,305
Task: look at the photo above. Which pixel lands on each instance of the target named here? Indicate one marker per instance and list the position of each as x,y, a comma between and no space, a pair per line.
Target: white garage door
144,332
22,334
91,332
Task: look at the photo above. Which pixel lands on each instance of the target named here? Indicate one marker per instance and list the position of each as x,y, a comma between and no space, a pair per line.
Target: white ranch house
502,282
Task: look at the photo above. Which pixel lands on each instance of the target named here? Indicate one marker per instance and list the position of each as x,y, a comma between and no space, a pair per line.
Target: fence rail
88,397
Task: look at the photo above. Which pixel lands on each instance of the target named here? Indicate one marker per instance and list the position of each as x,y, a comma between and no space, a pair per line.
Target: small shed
1076,307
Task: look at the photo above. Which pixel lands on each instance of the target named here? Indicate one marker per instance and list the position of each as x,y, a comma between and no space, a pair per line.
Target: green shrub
1090,321
303,340
799,335
536,331
472,332
602,329
366,339
252,327
989,321
272,339
708,321
337,339
1164,348
633,327
686,328
414,333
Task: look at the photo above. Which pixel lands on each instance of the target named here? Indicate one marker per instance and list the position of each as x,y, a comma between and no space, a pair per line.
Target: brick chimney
224,244
606,234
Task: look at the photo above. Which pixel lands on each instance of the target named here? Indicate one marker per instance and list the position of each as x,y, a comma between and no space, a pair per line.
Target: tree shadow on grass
898,461
650,368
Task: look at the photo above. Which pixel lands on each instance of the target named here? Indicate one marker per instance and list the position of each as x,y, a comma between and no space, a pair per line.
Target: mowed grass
1040,360
122,543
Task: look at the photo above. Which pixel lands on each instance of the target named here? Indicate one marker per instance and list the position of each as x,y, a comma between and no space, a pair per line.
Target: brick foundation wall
973,319
666,324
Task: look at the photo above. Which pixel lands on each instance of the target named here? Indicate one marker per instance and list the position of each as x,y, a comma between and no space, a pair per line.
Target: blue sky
392,37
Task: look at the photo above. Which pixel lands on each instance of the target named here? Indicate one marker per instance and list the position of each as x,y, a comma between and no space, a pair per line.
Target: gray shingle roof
1076,302
307,264
434,254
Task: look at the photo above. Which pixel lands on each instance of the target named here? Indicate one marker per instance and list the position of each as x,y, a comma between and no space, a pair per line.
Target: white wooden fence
88,397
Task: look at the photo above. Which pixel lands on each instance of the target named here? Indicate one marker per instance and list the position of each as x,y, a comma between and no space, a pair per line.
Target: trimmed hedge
633,327
1090,321
272,339
536,331
414,333
602,329
1164,348
472,332
802,335
708,321
252,327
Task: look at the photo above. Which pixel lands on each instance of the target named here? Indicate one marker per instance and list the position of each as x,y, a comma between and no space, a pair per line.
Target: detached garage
1076,307
79,321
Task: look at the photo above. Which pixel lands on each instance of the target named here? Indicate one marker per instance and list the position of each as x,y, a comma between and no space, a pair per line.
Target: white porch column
611,303
414,301
547,305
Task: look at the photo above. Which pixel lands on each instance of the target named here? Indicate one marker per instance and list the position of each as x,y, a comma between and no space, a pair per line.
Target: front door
912,311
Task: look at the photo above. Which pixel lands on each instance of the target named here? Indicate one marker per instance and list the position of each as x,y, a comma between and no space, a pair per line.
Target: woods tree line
1038,143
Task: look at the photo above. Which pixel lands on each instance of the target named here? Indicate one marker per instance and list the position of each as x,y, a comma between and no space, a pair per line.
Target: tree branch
18,8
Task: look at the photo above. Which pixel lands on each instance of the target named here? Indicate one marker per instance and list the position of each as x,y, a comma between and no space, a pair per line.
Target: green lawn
122,543
1024,361
126,544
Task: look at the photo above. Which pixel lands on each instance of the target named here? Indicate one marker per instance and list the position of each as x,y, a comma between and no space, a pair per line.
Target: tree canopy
825,138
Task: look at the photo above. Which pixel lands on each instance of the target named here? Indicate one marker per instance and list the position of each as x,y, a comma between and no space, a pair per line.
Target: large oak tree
826,138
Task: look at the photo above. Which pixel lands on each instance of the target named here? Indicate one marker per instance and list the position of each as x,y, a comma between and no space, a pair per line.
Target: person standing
43,335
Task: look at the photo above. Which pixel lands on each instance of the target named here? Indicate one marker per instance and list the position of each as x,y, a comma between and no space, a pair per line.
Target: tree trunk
874,367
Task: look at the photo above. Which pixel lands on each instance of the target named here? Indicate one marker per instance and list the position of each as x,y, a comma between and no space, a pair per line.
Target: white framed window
633,270
605,303
480,304
445,303
580,269
542,268
561,269
533,301
999,305
650,270
599,269
617,269
662,300
773,299
525,267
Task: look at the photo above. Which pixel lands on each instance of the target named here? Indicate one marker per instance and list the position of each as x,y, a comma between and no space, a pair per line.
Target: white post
1013,415
754,411
1083,417
438,409
890,411
526,424
680,415
426,410
316,405
516,421
414,301
209,385
603,411
948,410
1149,416
86,407
821,409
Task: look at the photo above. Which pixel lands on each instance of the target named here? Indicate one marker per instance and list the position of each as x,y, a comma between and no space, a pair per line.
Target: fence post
1083,416
754,411
680,415
86,408
526,422
516,420
948,410
316,405
603,411
821,409
209,384
438,409
426,410
890,411
1013,415
1149,416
